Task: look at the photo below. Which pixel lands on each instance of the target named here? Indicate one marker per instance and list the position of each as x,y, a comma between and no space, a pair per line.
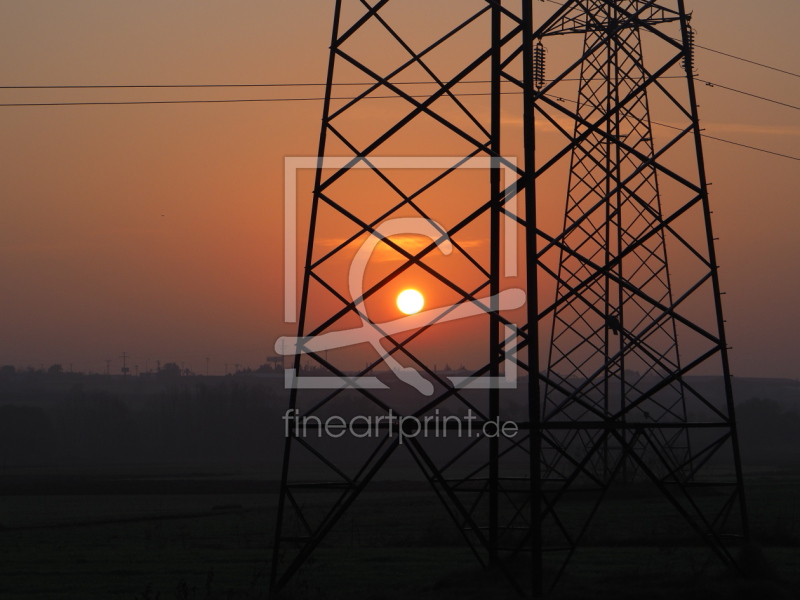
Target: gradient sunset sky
157,229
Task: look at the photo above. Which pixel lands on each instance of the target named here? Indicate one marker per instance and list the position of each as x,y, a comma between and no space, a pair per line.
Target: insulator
688,59
538,65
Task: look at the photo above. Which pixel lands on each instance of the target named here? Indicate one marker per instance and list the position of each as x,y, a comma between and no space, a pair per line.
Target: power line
346,98
711,137
730,89
261,100
752,62
210,85
306,84
254,85
138,102
294,99
232,100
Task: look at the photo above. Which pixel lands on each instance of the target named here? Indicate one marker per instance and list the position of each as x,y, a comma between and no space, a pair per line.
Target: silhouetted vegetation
27,436
169,371
769,433
55,417
179,422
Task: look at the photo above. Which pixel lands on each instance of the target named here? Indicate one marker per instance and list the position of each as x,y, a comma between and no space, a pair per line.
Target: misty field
165,538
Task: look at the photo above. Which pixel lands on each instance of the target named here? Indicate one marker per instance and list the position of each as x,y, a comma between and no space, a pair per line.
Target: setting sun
410,302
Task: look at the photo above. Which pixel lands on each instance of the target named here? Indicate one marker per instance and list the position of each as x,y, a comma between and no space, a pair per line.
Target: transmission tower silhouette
613,375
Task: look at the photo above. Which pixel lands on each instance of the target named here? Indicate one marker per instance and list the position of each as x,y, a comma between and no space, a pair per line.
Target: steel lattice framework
623,320
613,217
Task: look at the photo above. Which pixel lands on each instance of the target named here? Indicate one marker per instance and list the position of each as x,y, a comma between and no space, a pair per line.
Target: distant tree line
768,433
167,370
232,421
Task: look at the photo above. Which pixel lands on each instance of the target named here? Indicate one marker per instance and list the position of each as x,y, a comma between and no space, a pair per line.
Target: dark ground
184,530
207,535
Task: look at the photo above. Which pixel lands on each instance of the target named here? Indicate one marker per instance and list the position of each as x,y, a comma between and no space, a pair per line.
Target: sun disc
410,301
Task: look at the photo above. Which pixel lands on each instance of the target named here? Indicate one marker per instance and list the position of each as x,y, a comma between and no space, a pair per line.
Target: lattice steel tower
608,341
615,371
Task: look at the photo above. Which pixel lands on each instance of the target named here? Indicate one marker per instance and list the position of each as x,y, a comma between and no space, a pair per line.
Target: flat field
208,537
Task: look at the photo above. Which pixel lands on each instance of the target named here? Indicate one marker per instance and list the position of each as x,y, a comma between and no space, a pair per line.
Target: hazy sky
157,230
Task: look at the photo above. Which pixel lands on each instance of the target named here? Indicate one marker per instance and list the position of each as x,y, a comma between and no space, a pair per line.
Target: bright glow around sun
410,302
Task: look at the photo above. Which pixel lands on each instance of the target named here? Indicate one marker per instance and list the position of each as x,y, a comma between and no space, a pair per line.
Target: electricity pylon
623,318
613,340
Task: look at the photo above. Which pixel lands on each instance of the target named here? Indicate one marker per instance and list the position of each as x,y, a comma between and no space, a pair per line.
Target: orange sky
91,268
